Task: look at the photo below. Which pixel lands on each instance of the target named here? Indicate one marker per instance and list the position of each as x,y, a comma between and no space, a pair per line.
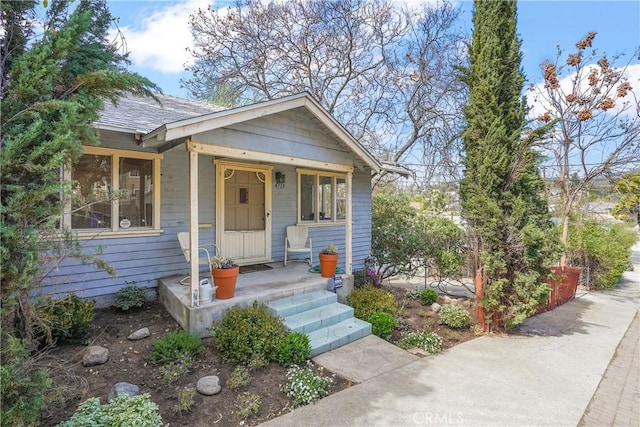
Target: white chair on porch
296,242
183,238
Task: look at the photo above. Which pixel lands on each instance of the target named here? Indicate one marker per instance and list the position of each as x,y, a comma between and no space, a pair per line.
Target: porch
261,286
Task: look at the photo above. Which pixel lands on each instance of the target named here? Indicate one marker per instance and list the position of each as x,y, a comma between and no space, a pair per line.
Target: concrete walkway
545,374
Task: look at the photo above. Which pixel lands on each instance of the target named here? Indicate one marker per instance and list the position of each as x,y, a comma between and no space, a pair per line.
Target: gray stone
95,355
209,385
127,389
448,300
139,334
435,307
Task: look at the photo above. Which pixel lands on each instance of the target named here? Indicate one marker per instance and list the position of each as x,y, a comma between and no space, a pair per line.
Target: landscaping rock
209,385
139,334
447,300
435,307
95,355
127,389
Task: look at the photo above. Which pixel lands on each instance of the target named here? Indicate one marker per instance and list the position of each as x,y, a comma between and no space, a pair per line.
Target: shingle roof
144,114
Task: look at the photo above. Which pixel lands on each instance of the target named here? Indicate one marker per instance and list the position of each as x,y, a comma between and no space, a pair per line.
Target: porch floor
261,286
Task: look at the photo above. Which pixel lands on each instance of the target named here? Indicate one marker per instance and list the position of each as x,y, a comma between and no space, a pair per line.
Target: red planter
328,264
225,280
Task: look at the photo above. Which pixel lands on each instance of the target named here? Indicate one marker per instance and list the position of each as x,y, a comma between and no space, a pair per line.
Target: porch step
328,323
311,320
337,335
302,302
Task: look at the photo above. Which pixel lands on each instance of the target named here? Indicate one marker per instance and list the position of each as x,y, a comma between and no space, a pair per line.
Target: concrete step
321,317
328,324
337,335
301,302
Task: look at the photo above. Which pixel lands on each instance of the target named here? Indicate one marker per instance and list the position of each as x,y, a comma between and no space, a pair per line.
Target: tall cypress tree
513,239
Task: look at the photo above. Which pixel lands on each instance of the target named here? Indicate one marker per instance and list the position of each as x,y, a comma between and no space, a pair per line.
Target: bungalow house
234,177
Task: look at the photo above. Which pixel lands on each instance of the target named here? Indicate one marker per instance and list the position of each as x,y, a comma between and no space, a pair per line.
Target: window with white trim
322,197
114,190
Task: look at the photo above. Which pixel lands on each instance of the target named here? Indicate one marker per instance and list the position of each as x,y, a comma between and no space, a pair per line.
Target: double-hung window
114,191
322,197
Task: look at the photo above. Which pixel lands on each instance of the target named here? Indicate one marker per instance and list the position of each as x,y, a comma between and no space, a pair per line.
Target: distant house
234,177
599,211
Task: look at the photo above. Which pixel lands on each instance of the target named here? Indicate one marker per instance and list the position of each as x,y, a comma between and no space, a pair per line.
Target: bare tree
597,121
386,73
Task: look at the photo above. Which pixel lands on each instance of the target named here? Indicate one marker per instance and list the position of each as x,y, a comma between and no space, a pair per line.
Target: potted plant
328,260
225,274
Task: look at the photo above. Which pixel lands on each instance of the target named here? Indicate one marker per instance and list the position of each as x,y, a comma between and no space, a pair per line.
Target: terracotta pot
328,264
225,281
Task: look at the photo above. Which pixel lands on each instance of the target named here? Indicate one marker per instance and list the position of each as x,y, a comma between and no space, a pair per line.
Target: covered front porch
261,286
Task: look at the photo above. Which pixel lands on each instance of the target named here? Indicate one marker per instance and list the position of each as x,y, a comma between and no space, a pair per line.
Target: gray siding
143,260
361,218
293,134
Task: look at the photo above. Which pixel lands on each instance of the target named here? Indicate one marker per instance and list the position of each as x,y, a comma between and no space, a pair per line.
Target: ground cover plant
454,316
171,389
130,297
171,386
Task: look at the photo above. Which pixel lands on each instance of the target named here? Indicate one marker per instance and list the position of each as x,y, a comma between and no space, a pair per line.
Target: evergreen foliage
406,238
248,333
512,238
52,91
23,385
628,207
602,248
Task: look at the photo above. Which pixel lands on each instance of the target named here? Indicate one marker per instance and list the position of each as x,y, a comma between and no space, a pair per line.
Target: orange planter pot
328,264
225,281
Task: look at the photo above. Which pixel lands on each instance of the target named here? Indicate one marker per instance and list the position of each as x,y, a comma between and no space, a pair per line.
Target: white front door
243,212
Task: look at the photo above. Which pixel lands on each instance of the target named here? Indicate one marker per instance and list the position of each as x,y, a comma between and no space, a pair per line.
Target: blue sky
157,32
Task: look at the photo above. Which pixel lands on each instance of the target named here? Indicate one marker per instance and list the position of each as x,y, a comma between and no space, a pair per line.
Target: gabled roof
143,114
161,124
190,126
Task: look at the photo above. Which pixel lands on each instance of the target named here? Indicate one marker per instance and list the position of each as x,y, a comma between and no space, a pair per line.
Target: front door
243,212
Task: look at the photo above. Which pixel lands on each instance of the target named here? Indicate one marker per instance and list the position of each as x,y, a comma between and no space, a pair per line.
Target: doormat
254,268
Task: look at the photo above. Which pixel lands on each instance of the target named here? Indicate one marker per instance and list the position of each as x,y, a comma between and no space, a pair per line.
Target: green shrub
306,386
172,371
369,299
122,411
245,333
130,297
428,296
360,278
454,316
248,404
382,324
295,349
70,319
426,340
175,346
257,361
239,378
185,400
413,293
23,385
603,248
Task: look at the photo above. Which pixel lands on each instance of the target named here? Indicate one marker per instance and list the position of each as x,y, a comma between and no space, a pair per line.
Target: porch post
194,266
349,226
